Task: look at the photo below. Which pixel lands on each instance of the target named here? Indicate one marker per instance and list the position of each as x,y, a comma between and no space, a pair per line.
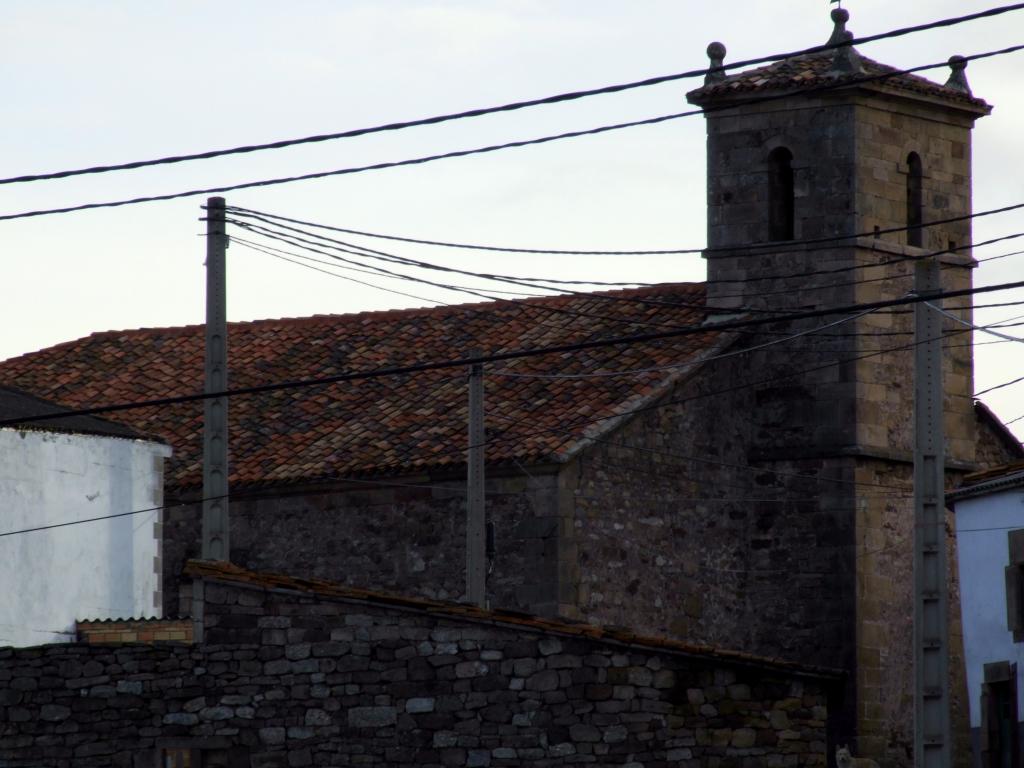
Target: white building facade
989,513
102,494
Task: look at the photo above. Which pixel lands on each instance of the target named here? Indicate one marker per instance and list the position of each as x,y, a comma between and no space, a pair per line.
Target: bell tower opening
915,213
780,195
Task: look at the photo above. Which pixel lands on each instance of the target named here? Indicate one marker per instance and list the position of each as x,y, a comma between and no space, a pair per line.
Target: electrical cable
786,246
406,261
845,83
972,326
727,325
688,364
346,248
512,106
271,251
526,305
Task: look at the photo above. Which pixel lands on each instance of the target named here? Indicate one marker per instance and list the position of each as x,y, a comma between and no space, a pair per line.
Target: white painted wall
982,523
102,569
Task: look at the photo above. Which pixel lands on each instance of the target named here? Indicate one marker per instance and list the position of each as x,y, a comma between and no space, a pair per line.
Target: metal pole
932,737
216,528
476,528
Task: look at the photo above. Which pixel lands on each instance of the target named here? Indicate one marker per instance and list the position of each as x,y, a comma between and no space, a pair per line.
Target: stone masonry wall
406,535
681,527
286,680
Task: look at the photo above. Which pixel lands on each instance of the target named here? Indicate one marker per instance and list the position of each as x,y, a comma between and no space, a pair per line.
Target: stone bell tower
826,173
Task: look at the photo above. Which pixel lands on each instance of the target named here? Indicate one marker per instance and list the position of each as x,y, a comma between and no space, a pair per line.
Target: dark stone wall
287,680
405,535
682,530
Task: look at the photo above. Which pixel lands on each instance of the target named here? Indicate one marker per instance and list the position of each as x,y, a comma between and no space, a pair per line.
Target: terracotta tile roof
386,425
227,572
812,70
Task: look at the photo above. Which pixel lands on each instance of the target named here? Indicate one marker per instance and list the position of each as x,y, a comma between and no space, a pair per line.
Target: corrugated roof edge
992,480
136,619
233,574
15,403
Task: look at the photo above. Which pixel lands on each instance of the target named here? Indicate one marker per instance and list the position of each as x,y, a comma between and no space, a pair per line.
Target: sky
107,82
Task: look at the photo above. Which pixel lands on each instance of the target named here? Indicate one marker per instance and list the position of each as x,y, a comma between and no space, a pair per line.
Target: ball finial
958,75
716,72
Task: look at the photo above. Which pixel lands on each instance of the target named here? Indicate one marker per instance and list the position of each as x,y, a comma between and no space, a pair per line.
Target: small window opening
915,216
780,194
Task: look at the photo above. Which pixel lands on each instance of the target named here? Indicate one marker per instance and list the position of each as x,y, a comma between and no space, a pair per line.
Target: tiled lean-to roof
387,425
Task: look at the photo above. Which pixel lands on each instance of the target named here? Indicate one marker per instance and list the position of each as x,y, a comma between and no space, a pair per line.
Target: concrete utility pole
476,526
932,747
216,527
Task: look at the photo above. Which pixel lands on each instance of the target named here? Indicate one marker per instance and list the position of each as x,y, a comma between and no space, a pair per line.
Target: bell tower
828,176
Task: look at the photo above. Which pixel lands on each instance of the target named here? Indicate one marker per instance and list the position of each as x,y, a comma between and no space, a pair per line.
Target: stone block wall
406,535
286,680
681,527
887,130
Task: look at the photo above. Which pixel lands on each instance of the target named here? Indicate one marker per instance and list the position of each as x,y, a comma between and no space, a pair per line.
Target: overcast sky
104,82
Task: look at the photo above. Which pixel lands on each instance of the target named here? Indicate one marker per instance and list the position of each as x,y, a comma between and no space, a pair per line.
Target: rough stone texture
389,702
349,536
827,576
763,505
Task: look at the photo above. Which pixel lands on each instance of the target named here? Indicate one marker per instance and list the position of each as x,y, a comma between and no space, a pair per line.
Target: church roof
392,425
831,68
816,70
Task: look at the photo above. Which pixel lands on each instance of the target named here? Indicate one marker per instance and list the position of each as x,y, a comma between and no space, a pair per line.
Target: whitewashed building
80,515
990,540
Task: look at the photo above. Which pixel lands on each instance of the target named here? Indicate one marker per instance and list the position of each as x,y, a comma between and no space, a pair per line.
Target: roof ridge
303,320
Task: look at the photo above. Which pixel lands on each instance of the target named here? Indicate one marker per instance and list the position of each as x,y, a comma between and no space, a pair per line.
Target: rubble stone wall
406,535
285,680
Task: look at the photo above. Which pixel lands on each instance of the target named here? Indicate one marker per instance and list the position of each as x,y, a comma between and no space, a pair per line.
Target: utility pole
216,526
932,736
476,527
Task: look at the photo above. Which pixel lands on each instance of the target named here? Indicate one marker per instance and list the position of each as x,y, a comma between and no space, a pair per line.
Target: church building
740,486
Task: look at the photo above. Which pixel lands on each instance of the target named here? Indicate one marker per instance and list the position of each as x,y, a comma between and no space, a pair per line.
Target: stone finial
958,76
716,72
839,17
845,60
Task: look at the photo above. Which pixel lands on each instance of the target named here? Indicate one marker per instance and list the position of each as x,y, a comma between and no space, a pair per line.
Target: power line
523,305
406,261
687,364
589,421
283,255
535,283
787,246
845,83
509,107
973,327
999,386
512,354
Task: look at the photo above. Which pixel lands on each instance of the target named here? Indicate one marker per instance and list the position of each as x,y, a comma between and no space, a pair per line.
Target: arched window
914,206
780,194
